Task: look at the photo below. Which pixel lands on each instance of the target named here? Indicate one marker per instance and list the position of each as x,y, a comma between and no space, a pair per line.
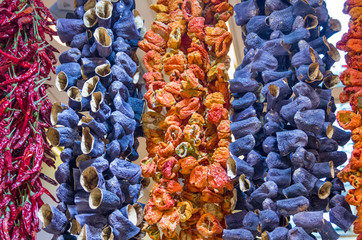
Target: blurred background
59,8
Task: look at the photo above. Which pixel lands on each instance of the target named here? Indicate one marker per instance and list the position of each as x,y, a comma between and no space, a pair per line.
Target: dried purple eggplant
268,220
237,234
298,233
266,190
341,217
279,233
289,141
55,222
295,190
237,166
291,206
243,145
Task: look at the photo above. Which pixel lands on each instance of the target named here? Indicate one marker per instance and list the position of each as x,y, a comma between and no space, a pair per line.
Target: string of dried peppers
187,126
351,43
26,61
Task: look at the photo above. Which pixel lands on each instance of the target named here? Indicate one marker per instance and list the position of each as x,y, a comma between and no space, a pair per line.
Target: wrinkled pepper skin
350,120
187,125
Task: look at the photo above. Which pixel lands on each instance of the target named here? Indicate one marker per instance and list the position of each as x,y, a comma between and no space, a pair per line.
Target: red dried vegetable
351,42
188,131
26,60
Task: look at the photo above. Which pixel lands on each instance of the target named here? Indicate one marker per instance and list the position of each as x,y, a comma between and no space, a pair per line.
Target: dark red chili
26,59
4,104
23,138
27,216
33,70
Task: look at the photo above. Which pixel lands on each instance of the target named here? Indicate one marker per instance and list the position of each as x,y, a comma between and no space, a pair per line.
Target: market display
99,183
186,125
26,62
351,43
285,155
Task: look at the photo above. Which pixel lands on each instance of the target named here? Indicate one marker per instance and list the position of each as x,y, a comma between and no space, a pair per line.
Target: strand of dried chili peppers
26,59
351,43
187,126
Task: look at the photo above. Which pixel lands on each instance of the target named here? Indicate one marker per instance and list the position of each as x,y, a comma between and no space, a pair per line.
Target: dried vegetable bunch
99,183
351,43
187,126
285,158
26,62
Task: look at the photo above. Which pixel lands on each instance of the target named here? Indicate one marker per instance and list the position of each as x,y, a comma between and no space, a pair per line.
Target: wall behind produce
335,8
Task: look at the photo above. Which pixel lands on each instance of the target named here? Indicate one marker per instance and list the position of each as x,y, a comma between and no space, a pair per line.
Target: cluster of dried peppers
187,126
351,43
285,157
99,183
26,61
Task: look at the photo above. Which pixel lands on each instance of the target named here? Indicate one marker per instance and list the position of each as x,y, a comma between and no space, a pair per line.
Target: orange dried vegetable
187,81
356,134
351,42
172,186
209,226
348,119
355,162
148,167
187,164
169,222
352,77
185,210
152,213
152,61
162,199
221,155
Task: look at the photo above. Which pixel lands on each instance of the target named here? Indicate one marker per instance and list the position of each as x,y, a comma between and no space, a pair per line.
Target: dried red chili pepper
24,112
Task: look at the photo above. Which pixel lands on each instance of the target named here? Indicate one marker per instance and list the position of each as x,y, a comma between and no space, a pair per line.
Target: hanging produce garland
285,158
26,61
99,183
187,126
351,43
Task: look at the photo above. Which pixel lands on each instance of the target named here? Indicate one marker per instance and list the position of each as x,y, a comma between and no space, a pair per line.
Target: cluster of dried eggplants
99,184
285,156
187,126
351,43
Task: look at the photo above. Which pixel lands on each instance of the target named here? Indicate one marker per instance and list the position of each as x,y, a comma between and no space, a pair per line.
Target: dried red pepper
351,120
24,113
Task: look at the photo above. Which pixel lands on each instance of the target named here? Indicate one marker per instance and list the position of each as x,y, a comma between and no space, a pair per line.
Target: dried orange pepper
348,119
209,226
188,131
